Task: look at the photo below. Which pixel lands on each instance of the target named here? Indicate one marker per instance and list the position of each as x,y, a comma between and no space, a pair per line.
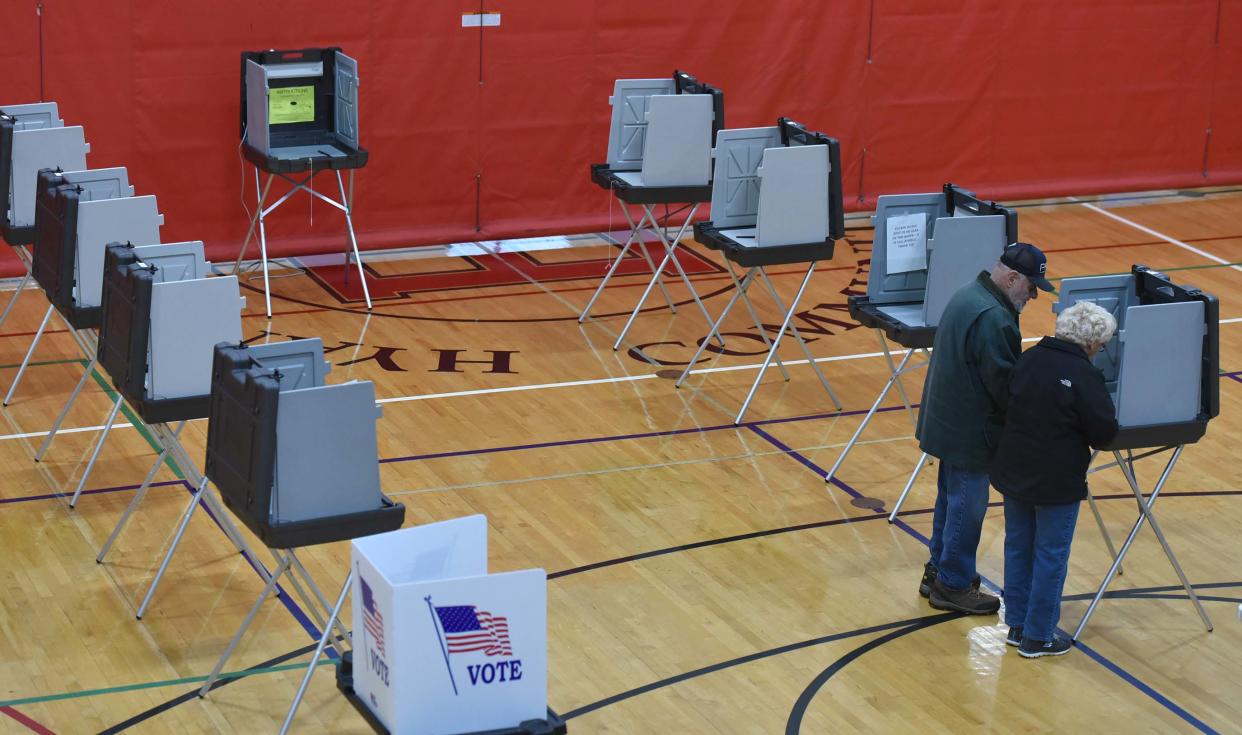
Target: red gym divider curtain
488,133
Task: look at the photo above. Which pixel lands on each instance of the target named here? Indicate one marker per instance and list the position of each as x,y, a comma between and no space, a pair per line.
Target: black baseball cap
1030,261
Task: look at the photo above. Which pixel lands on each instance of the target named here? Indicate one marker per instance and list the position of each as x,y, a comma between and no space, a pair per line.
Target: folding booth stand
299,115
925,248
776,200
1163,371
296,461
658,153
32,137
161,319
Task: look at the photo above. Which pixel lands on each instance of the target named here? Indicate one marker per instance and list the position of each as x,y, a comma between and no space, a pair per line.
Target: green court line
159,684
45,362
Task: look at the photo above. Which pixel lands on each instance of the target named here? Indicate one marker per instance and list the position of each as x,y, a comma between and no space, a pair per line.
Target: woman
1059,408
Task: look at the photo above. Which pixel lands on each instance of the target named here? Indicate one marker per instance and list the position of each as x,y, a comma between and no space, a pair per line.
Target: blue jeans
1037,549
961,503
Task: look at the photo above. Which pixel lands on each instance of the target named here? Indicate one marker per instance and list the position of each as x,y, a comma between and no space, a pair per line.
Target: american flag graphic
469,629
371,618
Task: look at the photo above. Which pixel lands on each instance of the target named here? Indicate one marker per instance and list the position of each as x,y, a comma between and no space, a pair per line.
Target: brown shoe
971,600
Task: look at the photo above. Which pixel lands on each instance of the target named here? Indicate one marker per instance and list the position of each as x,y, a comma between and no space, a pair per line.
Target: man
963,410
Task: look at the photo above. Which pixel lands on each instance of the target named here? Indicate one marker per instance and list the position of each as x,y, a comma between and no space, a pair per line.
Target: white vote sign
906,239
441,646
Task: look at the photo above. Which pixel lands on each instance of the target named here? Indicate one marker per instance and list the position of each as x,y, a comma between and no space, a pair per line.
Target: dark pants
961,504
1037,549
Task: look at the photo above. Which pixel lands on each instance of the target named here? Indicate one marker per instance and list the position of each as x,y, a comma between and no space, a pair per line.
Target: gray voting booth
925,248
1163,371
161,319
776,200
299,115
659,144
78,214
297,462
32,137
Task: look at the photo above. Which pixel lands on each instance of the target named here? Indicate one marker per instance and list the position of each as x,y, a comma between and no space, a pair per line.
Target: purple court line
1091,653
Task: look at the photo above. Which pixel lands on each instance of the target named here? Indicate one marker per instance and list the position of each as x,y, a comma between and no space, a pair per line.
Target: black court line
158,709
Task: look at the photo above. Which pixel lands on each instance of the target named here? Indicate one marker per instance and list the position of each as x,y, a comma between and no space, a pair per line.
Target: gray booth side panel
735,182
257,134
627,133
1162,364
63,148
100,183
677,151
327,456
885,288
1113,293
176,261
34,116
962,247
793,196
129,219
300,362
188,319
347,99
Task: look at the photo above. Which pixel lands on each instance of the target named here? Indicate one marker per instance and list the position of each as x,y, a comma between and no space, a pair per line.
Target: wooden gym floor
703,578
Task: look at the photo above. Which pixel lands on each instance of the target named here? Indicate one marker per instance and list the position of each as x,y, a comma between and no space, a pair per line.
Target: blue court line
1092,653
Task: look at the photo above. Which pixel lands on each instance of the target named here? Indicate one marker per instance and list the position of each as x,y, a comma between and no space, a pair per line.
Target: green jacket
967,388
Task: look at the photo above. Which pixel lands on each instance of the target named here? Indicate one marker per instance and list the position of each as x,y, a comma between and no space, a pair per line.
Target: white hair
1086,324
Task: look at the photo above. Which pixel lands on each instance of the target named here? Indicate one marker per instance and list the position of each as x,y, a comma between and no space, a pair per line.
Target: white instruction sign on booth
906,238
441,646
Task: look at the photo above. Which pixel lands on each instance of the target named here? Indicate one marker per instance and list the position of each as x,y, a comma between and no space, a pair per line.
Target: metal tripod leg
634,237
867,419
892,517
793,329
136,500
26,360
60,418
776,343
901,389
669,254
1145,514
754,315
13,299
116,406
319,597
262,194
185,521
1099,519
747,280
353,241
224,657
323,640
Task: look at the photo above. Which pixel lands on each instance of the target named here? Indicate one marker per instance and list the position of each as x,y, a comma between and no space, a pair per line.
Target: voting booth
659,148
776,200
925,248
299,115
442,647
33,137
162,317
296,461
78,214
1162,369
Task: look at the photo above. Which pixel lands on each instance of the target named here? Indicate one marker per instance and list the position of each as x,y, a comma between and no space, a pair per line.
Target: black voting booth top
319,131
12,235
604,177
56,248
241,457
863,311
124,338
1154,287
793,133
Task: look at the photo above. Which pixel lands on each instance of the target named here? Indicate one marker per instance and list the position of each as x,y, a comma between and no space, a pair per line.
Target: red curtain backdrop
488,133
